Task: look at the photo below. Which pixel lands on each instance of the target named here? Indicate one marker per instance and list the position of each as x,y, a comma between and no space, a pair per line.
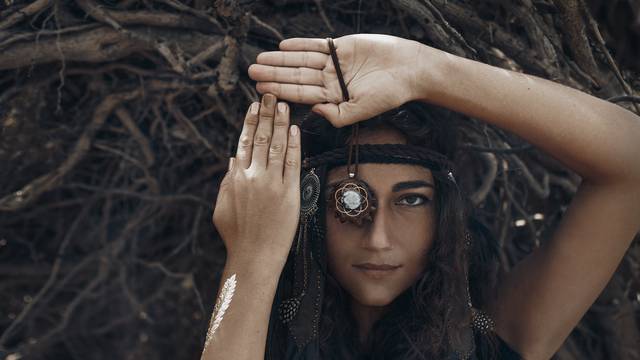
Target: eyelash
424,199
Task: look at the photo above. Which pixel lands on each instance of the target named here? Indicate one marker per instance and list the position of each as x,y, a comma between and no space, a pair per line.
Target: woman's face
401,233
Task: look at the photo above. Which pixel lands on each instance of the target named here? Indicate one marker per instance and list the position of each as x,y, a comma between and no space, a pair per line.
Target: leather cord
345,97
336,64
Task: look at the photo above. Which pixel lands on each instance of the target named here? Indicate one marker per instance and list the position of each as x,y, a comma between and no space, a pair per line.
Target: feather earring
310,193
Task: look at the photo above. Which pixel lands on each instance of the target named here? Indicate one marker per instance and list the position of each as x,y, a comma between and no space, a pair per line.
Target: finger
292,158
245,142
297,75
264,131
302,94
279,141
305,44
308,59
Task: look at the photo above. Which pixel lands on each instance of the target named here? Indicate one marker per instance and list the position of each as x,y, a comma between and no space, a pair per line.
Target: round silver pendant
351,198
353,201
310,192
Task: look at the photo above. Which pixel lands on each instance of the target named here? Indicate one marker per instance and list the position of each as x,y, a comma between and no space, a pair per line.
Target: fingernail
254,108
269,99
231,161
282,107
293,130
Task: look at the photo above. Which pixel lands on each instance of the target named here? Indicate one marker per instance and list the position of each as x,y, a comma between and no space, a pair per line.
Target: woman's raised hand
258,204
379,71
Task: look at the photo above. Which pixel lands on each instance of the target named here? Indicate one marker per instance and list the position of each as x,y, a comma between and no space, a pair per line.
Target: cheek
414,243
418,236
337,248
342,252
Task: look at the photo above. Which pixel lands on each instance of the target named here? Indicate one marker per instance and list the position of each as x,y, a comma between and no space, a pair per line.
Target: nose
380,232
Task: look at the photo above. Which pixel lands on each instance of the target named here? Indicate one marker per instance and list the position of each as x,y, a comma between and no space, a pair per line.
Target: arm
542,299
243,332
256,215
595,138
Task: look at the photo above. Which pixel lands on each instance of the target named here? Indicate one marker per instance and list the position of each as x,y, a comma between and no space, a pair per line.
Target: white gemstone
351,199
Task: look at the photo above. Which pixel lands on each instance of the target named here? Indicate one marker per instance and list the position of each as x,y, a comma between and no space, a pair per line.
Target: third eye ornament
353,200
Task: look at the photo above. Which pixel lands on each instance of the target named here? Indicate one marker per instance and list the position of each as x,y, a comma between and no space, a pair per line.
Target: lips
369,266
376,271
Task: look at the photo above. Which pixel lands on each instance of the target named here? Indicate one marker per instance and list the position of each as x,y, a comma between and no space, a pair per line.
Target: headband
385,154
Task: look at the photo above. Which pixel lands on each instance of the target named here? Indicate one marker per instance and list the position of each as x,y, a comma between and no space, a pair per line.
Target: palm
375,69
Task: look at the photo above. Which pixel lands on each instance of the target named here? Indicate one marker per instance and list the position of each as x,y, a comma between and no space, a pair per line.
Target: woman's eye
413,200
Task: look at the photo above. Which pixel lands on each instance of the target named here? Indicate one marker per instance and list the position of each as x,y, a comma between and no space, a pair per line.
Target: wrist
262,265
429,72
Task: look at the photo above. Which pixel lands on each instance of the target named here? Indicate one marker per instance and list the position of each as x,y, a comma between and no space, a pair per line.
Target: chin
374,299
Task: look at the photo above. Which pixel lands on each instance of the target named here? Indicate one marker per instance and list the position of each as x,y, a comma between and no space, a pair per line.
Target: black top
484,348
504,350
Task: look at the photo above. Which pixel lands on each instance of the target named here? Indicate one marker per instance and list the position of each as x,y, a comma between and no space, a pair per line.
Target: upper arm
543,298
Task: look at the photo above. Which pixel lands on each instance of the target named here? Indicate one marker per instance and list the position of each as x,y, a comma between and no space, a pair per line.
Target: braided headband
384,153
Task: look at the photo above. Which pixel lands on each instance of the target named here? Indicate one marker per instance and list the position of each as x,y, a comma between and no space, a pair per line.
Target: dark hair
428,319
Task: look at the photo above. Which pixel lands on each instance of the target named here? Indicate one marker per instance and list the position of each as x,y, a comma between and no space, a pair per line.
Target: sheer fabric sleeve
490,346
506,352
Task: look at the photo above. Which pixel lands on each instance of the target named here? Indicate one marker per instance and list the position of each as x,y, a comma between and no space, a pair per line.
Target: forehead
382,176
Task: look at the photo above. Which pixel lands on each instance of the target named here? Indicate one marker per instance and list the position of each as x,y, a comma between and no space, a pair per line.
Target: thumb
227,177
232,162
338,115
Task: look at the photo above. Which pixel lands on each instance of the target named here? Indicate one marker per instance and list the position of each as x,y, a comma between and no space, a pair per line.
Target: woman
535,306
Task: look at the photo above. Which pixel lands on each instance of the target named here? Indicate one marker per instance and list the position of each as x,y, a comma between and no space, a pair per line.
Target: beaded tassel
480,321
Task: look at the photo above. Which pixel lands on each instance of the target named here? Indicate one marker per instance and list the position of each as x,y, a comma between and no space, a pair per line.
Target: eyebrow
410,185
404,185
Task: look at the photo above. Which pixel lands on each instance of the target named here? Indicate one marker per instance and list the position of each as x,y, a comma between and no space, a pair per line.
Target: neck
366,316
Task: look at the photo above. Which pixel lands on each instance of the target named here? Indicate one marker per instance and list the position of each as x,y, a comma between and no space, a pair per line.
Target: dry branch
575,30
24,13
99,45
117,118
30,192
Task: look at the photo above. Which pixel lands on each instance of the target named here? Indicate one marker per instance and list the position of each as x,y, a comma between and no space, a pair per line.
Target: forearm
242,332
595,138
